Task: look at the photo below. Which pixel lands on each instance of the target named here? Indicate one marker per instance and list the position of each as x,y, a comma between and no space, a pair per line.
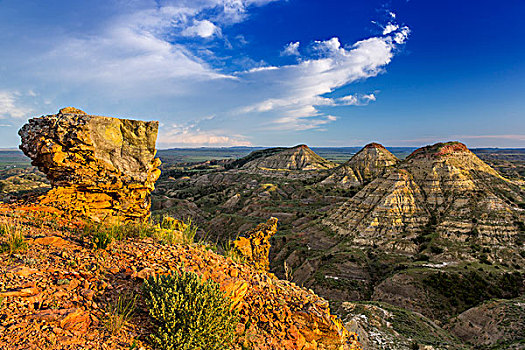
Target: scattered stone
48,312
63,281
144,274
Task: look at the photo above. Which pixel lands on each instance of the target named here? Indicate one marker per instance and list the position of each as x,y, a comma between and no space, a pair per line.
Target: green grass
14,238
120,312
173,231
102,235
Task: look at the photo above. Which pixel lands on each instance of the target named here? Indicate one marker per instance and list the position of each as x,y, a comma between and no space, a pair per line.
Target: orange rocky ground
57,293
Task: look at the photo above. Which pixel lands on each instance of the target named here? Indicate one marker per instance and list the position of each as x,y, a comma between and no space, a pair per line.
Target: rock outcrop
102,168
254,246
285,159
370,162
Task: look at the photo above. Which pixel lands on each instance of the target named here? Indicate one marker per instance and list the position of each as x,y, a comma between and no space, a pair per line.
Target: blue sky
268,73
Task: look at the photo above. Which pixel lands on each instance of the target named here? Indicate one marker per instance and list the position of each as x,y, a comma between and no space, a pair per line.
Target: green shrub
188,313
436,250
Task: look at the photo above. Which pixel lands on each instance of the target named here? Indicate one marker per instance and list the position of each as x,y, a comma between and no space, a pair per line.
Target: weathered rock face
373,160
255,246
100,167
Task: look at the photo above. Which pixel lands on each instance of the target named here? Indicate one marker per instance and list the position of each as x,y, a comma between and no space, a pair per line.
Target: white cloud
204,29
292,49
356,100
144,62
297,92
189,135
401,35
11,107
389,28
141,51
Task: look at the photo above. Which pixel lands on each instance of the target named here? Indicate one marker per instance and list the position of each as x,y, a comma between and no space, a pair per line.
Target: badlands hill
442,190
367,164
300,157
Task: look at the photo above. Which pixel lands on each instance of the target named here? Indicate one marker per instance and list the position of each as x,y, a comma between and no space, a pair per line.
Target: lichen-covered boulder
255,245
101,168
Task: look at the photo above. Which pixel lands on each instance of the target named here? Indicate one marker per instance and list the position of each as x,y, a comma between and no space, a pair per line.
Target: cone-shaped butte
366,165
371,161
101,168
300,157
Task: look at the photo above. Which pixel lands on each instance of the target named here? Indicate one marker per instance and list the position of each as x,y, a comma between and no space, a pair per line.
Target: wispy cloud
295,92
501,137
191,135
291,49
11,107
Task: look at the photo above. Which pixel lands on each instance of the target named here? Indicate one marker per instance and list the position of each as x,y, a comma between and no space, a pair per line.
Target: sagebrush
189,313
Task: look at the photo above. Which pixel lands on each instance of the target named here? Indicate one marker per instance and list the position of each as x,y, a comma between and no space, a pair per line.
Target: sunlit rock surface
100,167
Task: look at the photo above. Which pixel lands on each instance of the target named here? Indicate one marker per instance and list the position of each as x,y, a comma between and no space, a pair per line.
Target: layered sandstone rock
372,161
100,167
255,245
443,189
382,211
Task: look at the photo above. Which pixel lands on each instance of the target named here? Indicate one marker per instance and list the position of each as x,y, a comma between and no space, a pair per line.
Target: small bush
188,313
436,250
120,312
422,257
